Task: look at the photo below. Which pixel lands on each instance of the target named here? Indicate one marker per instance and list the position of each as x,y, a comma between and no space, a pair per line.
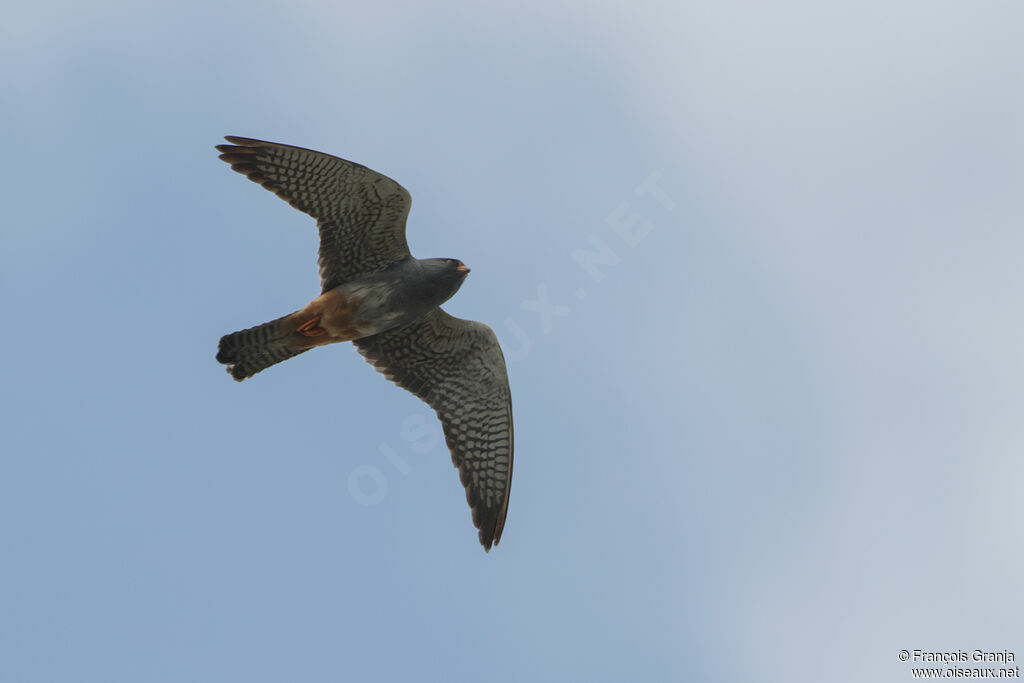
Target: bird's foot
311,328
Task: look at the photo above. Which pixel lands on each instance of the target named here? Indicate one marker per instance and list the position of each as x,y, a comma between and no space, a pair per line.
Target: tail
257,348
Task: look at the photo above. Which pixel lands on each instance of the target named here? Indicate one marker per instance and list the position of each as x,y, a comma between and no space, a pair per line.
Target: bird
375,294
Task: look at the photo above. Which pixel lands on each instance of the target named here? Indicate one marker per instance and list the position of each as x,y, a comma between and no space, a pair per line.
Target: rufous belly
328,319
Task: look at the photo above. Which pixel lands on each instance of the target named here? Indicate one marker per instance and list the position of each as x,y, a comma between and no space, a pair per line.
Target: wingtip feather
245,142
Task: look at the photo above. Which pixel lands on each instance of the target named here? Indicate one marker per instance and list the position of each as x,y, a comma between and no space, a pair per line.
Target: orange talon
311,328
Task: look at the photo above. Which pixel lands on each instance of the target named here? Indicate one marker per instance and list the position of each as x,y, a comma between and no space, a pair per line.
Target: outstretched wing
360,213
457,367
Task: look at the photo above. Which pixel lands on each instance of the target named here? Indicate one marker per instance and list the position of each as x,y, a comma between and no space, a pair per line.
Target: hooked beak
463,269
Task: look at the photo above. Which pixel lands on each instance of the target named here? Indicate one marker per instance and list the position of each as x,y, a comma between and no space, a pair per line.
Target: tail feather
250,351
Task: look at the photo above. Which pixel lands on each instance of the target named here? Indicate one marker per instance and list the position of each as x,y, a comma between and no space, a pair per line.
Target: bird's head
447,274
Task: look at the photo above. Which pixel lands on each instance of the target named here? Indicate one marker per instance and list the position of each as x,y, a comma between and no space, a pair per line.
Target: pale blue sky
779,439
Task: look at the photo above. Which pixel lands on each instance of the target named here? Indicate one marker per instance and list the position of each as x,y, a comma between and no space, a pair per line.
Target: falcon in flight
387,303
